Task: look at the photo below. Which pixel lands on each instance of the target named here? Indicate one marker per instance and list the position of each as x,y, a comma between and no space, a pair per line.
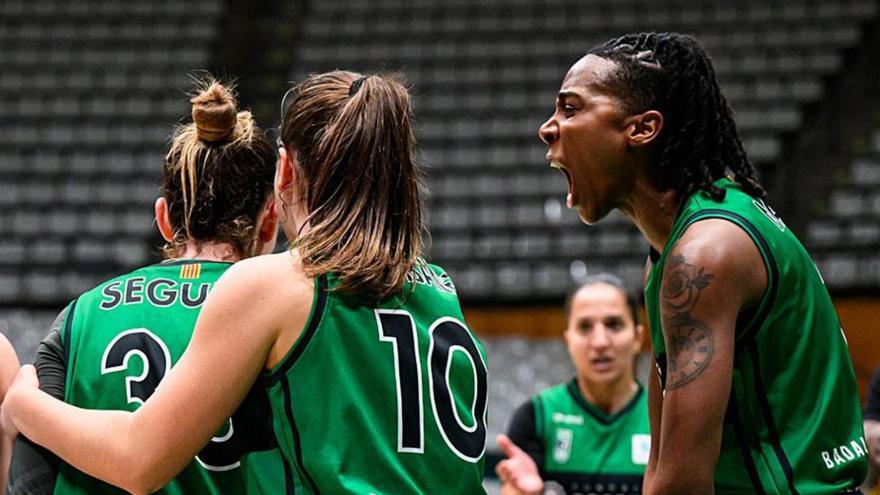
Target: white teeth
555,164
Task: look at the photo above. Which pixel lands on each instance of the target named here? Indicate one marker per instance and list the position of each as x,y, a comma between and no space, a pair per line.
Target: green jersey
123,337
385,398
793,422
581,447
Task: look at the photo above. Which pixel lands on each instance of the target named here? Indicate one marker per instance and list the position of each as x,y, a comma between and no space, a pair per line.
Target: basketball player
591,434
8,369
376,384
754,390
113,345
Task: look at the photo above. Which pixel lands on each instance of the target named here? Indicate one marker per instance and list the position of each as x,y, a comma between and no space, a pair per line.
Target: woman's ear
163,220
644,128
267,221
284,171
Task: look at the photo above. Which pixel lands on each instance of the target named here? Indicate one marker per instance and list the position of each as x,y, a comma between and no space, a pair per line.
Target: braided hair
670,73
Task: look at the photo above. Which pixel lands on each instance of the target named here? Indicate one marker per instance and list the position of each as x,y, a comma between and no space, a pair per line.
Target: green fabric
794,423
342,397
107,326
586,449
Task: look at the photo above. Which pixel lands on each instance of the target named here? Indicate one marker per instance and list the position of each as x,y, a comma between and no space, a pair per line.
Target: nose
548,132
600,337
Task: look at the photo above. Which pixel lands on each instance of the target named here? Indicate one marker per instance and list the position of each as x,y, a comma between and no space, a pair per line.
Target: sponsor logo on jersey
160,292
769,213
568,419
842,454
189,272
422,273
562,448
641,448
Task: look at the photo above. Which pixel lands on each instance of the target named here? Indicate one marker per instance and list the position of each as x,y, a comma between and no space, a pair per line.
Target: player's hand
518,473
24,380
872,438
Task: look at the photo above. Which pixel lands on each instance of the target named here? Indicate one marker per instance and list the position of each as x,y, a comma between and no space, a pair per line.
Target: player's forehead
587,75
599,300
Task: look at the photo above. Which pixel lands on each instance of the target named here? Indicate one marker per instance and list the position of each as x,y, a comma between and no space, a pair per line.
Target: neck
652,211
209,251
611,397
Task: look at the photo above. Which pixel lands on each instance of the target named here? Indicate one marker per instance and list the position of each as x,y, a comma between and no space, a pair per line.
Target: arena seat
90,92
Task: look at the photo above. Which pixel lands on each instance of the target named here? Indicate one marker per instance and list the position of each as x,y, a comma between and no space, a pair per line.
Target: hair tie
355,86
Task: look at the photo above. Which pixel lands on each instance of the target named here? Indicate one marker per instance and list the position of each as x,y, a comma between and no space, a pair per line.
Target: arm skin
9,367
713,274
255,303
872,439
655,408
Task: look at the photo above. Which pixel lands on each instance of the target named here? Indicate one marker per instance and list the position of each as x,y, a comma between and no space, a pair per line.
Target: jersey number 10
447,336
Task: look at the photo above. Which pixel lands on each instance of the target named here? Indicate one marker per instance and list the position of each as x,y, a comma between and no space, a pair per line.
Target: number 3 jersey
385,398
121,338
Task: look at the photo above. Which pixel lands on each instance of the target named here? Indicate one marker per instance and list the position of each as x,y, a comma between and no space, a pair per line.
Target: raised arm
142,451
713,274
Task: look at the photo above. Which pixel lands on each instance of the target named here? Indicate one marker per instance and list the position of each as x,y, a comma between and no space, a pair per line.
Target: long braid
671,73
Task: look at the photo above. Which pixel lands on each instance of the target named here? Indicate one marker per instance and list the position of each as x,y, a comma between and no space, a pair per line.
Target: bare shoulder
723,249
265,274
8,364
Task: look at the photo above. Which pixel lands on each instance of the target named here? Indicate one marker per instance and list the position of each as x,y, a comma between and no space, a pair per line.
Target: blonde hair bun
214,113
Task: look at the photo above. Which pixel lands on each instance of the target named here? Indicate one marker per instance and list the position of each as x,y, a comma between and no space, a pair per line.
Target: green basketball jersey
122,337
587,450
793,423
384,399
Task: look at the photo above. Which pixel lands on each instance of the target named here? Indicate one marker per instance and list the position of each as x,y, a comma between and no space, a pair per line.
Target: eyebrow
566,94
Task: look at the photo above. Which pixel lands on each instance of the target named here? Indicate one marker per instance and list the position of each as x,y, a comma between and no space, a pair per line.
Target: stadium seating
484,75
89,92
845,238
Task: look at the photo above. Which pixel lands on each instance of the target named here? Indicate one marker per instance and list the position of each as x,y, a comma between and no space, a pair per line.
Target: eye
615,325
568,110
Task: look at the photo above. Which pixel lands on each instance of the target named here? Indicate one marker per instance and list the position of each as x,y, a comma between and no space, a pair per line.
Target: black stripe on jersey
289,485
297,441
68,324
766,305
733,414
599,484
772,431
307,335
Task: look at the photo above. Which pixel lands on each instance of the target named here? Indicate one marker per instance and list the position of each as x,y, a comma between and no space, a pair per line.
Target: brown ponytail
353,139
218,172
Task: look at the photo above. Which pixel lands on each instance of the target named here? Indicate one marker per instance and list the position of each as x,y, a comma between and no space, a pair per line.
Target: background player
376,384
738,312
594,429
113,345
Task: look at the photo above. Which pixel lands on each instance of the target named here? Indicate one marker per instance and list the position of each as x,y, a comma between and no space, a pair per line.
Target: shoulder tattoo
689,342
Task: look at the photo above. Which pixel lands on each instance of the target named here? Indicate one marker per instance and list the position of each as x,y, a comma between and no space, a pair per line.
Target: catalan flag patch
191,271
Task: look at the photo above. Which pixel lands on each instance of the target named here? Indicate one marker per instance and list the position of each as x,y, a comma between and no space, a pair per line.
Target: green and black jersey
120,339
386,398
793,422
579,446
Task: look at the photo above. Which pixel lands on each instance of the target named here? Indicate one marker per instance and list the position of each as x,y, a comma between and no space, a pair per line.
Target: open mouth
602,362
567,174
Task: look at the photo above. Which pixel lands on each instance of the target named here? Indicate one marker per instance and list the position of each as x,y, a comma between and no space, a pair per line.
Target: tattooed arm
713,274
